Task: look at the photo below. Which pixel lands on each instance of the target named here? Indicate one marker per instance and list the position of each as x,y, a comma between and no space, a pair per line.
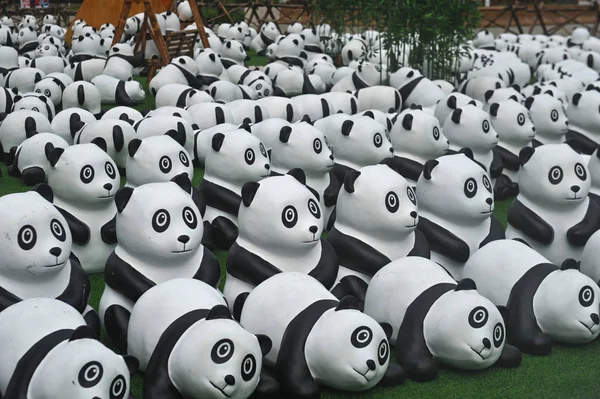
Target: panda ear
133,146
54,155
30,127
348,303
284,134
525,154
467,152
306,119
246,127
118,138
183,181
569,264
349,180
176,135
465,284
219,312
488,95
122,198
387,329
451,103
133,365
265,344
407,121
83,332
528,102
505,313
45,191
428,168
347,127
248,192
494,109
298,174
575,99
456,114
100,142
217,141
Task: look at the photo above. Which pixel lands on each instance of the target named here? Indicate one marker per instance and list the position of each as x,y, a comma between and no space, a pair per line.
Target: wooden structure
178,44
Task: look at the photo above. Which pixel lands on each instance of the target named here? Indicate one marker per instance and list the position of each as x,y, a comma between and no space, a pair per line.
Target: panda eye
35,109
184,159
411,195
47,93
161,221
586,296
248,368
478,317
485,125
87,174
361,337
249,156
314,209
383,352
222,351
189,217
436,133
38,91
498,335
110,170
317,145
258,86
487,184
554,115
391,202
90,374
165,164
267,92
555,175
580,171
118,388
289,216
378,140
27,237
470,188
521,119
57,230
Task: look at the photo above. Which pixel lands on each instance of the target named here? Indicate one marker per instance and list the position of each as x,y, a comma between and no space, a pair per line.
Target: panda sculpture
83,95
159,125
269,130
120,92
17,127
415,89
67,121
175,325
160,231
280,224
367,74
224,91
182,70
180,95
60,357
313,106
30,160
545,303
121,62
208,114
452,101
584,120
549,118
131,115
52,87
172,111
35,102
594,168
84,180
203,137
435,320
553,213
589,258
376,221
383,98
292,82
280,107
464,222
247,111
210,66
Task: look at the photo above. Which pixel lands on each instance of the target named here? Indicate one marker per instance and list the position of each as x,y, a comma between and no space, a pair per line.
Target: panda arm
78,290
444,242
580,142
108,232
326,270
79,230
496,167
209,271
524,219
248,267
421,247
7,299
579,234
510,161
192,80
121,277
331,192
355,254
496,231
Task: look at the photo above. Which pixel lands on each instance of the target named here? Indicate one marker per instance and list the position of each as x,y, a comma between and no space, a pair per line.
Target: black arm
79,230
525,220
444,242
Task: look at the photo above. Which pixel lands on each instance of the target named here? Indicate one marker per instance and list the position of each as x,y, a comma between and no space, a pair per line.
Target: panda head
362,141
302,146
121,49
513,122
464,185
584,110
159,220
225,358
236,157
450,102
377,201
83,174
553,174
270,30
26,35
234,50
85,44
46,50
209,63
262,88
470,127
280,213
36,102
464,329
404,76
37,238
418,133
358,344
132,25
370,73
187,64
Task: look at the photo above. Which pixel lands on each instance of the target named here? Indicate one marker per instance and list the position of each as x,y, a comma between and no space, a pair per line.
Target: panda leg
351,285
268,387
33,176
116,320
207,237
224,232
511,357
91,319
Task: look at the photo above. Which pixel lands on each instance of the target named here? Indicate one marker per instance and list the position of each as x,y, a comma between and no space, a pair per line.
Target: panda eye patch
110,170
248,368
249,156
118,388
521,119
580,171
87,174
314,209
470,187
411,195
436,133
58,230
289,216
184,159
361,337
391,202
378,140
222,351
189,217
27,237
586,296
498,335
478,317
554,115
383,352
485,125
555,175
165,164
47,93
90,374
161,221
487,184
263,151
317,145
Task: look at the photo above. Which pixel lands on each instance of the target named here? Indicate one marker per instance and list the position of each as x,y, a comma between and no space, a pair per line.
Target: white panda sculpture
180,95
435,320
120,92
280,224
30,160
84,180
307,327
164,246
415,89
583,112
159,125
116,134
366,74
52,87
35,102
452,101
376,221
461,224
175,325
247,111
17,127
594,168
345,102
121,62
68,120
545,303
383,98
549,118
313,106
280,107
203,137
182,70
83,95
553,213
60,357
128,114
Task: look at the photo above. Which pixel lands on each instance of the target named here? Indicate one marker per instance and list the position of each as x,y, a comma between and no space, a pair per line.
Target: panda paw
394,376
268,388
511,357
34,175
539,345
224,232
424,370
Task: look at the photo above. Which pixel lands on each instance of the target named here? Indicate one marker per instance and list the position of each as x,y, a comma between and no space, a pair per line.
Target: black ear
428,168
30,126
122,198
133,365
298,174
369,114
451,103
570,264
505,313
467,152
465,284
306,119
183,181
54,155
407,121
177,135
525,154
387,329
83,332
44,190
528,102
217,141
101,143
81,95
488,95
348,303
494,109
249,191
219,312
576,98
349,180
133,146
246,127
284,134
347,127
118,138
265,344
456,115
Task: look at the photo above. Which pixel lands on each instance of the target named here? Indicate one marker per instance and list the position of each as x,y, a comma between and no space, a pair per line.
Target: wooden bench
178,44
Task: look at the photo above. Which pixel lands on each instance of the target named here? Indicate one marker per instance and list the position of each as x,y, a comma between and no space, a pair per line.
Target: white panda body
24,79
82,95
49,64
179,95
31,156
17,127
280,107
314,106
415,89
383,98
159,125
203,139
61,124
116,133
247,111
182,70
115,91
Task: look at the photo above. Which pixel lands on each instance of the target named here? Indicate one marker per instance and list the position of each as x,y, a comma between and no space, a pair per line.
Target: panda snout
486,343
267,166
183,239
392,150
313,229
595,318
575,189
371,364
108,186
229,379
489,201
57,251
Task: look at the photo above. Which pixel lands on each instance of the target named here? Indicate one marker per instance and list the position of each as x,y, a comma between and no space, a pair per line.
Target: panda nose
489,201
183,239
486,343
267,167
229,379
371,364
567,123
595,318
107,186
413,214
391,150
57,251
533,129
331,156
313,229
575,189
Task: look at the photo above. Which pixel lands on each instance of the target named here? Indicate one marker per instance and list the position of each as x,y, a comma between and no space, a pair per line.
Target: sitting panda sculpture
549,118
545,303
594,168
30,160
309,330
585,121
553,213
436,320
461,224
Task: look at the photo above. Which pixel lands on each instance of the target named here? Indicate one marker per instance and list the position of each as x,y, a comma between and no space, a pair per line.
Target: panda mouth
478,353
576,198
222,390
363,375
106,196
181,252
311,241
586,326
53,266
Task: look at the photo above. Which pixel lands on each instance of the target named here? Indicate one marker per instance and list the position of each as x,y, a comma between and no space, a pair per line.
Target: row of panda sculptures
402,178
